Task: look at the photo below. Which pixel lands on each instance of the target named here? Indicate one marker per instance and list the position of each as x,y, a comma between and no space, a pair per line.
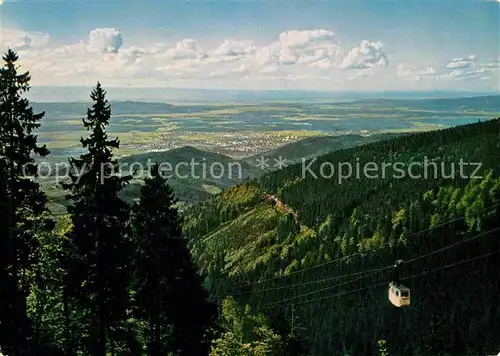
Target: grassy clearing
212,189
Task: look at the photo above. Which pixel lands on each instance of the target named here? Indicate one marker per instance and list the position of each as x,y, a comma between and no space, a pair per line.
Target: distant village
233,144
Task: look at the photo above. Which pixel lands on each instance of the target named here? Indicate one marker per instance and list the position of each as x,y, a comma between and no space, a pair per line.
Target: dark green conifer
22,206
98,272
168,291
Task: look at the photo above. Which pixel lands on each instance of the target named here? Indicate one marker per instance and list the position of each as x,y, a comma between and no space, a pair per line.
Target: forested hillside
327,272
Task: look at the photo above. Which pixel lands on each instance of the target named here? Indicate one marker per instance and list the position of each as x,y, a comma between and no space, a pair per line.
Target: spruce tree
22,206
98,268
168,290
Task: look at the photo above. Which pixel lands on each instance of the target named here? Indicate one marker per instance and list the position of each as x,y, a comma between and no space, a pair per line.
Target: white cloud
306,46
362,73
233,48
298,58
186,49
294,54
18,40
462,74
268,55
466,68
463,62
288,56
106,40
366,55
99,40
269,69
406,70
494,64
321,64
303,39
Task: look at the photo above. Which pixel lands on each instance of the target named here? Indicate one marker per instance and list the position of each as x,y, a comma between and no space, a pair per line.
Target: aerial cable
452,245
398,263
378,284
314,282
327,288
396,270
362,253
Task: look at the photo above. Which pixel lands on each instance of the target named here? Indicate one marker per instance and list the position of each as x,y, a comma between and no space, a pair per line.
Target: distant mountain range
71,94
485,102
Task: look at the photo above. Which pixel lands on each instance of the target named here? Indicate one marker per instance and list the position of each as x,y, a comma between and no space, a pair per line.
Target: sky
367,45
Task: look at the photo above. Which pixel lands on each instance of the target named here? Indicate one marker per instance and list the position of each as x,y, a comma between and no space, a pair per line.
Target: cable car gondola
399,295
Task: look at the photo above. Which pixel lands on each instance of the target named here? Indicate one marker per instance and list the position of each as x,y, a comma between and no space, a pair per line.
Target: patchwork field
243,133
242,130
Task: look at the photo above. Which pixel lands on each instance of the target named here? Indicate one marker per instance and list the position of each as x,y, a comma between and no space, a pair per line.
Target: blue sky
327,45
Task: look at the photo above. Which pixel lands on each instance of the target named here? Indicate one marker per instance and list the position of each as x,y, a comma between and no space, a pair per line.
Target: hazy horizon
192,95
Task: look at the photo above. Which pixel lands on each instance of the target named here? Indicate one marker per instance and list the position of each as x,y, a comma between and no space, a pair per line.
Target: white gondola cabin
399,295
